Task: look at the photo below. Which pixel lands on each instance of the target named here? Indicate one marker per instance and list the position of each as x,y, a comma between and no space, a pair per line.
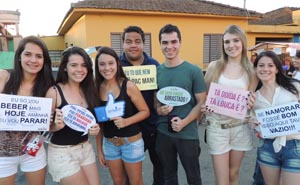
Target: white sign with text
24,113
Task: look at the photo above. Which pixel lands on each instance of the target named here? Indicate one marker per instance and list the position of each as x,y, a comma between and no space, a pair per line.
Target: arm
56,114
139,102
178,124
99,144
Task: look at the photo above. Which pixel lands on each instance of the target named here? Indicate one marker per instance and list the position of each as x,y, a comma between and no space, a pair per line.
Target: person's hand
254,124
251,100
177,124
102,159
59,120
165,110
94,130
119,122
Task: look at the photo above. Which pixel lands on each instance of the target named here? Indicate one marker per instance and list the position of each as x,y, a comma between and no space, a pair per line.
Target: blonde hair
221,63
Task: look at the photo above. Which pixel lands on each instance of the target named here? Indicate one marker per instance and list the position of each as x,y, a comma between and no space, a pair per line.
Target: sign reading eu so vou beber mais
24,113
279,120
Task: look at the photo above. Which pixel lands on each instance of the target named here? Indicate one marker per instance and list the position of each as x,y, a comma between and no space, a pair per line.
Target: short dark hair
169,28
134,29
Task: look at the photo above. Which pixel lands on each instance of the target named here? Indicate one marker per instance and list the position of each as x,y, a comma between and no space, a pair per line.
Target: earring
65,70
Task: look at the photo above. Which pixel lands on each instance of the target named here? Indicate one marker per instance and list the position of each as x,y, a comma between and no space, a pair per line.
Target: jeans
287,159
188,150
149,143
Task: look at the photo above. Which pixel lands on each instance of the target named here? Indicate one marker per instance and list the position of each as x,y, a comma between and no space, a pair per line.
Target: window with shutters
117,44
212,47
55,56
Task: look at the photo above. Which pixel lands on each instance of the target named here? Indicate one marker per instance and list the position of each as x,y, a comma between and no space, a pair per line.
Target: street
207,173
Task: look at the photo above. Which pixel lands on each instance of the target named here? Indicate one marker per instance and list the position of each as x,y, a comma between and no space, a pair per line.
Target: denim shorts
129,152
287,159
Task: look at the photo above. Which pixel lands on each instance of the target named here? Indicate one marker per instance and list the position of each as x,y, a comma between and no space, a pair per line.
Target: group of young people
146,123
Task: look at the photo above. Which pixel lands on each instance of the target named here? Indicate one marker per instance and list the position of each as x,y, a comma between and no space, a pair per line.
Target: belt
227,125
68,146
118,141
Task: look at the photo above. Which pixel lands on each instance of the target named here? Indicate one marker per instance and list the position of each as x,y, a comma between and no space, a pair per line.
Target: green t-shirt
186,76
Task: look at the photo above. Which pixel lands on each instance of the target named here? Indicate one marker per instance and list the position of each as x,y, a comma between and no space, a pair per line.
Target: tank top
241,83
66,136
109,128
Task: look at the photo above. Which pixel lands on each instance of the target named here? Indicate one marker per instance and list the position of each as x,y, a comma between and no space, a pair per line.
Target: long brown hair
221,63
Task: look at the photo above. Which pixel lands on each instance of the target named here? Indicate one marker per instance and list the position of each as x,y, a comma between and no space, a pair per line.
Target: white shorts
9,165
64,161
220,141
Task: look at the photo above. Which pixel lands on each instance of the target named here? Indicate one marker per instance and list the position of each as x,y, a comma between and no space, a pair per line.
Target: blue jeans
149,143
188,150
287,159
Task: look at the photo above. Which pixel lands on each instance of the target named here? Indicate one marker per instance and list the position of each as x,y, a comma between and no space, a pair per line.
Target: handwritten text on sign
24,113
143,76
279,120
78,118
227,101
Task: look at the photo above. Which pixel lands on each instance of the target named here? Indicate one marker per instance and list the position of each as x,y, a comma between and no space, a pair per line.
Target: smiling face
107,66
32,59
133,46
76,68
233,46
170,45
266,69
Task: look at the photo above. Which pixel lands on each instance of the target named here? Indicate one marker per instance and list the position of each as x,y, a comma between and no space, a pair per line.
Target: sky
43,17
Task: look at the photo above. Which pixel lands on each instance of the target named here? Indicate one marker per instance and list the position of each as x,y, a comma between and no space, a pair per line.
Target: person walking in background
296,64
227,146
289,66
120,145
31,76
133,44
278,157
182,139
71,157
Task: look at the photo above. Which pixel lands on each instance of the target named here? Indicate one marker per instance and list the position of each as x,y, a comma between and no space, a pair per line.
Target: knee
234,174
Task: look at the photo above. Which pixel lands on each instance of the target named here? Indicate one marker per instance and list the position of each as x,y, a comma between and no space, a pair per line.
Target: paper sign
24,113
143,76
279,120
227,101
174,96
78,118
112,109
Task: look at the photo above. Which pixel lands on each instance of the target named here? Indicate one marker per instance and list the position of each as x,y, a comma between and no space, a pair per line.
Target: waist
226,125
118,141
69,146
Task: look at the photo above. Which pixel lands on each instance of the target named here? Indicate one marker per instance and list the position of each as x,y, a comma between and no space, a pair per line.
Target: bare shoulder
4,75
131,88
51,93
212,64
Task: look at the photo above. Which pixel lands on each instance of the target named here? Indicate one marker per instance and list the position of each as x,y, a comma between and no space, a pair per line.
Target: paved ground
205,163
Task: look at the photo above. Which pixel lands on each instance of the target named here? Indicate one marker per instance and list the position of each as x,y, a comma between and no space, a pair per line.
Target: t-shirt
186,76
